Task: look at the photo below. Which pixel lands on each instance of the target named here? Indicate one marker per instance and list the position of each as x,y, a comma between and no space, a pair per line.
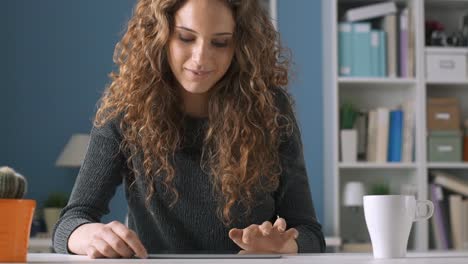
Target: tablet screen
213,256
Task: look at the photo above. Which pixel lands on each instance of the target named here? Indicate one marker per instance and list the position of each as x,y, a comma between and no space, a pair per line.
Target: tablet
213,256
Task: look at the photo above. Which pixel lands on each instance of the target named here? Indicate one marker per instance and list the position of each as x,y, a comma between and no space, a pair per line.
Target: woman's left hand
266,238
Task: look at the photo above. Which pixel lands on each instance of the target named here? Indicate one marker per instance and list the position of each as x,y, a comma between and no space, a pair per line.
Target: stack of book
449,224
387,135
376,41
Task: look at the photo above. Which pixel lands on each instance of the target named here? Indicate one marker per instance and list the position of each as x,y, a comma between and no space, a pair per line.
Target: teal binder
374,50
383,54
345,49
361,66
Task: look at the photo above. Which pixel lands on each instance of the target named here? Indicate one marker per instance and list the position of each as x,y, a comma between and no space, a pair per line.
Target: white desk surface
452,257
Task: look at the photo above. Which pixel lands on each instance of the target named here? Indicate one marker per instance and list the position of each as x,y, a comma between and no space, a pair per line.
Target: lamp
354,192
73,153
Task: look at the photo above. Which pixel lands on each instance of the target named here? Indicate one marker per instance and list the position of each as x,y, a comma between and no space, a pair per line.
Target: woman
206,145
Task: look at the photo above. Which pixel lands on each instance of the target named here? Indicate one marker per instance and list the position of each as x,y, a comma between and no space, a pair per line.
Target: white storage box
446,64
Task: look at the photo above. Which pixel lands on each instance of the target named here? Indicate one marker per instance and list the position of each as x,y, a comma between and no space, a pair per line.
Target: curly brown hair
245,123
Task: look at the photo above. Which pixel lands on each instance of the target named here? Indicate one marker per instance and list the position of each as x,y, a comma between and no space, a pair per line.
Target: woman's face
202,45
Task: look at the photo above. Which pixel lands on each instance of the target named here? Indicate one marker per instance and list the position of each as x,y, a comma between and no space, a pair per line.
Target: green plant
12,184
348,115
56,200
380,189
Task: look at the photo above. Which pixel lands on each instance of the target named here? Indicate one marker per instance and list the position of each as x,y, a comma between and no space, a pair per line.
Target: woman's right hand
113,240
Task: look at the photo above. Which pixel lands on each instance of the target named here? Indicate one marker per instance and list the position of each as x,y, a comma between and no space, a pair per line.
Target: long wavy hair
245,124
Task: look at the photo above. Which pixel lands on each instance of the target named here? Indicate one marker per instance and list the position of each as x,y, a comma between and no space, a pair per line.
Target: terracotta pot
15,226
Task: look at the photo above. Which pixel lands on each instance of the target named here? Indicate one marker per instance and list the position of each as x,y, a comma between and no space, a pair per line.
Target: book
370,11
439,221
411,44
465,224
361,45
395,136
404,43
361,127
456,209
382,134
345,49
382,53
372,137
408,131
390,27
451,182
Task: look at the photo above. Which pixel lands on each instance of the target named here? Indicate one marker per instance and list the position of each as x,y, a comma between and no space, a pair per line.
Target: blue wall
301,30
58,69
58,54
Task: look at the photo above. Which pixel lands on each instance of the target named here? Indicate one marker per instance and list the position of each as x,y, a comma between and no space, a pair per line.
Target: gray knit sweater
191,225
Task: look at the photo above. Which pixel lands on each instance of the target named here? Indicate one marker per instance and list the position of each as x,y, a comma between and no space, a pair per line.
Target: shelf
447,165
373,165
449,5
449,83
376,83
401,81
448,50
40,242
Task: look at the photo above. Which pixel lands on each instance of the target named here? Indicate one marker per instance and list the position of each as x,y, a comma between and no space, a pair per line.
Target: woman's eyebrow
193,31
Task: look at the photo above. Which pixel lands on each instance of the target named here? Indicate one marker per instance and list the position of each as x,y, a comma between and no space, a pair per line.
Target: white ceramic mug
389,219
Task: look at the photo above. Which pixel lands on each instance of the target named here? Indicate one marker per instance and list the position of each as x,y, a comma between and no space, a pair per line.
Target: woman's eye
185,39
219,44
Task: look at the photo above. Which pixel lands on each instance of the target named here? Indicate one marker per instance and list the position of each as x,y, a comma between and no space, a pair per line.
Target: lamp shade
353,193
73,153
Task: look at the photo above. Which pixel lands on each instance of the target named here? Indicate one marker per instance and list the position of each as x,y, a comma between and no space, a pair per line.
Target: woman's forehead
205,17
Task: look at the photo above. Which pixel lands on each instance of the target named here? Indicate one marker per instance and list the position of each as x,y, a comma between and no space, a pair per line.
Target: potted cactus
53,205
17,214
348,134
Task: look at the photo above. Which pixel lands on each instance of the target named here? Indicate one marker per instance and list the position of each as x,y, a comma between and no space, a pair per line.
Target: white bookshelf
384,92
272,7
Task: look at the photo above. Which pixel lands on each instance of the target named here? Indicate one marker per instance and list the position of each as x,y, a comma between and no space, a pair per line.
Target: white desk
348,258
44,245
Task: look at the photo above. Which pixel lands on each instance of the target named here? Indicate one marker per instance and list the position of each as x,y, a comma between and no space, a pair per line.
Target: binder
382,53
361,49
345,49
375,50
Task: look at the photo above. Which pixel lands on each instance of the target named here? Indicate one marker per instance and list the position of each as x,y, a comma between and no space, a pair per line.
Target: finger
266,228
93,253
291,233
130,238
236,236
117,243
104,249
250,233
280,224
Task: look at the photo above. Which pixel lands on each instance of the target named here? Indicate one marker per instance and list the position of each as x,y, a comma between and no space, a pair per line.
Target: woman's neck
195,105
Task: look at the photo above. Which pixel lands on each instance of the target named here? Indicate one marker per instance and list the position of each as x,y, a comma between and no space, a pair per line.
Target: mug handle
430,210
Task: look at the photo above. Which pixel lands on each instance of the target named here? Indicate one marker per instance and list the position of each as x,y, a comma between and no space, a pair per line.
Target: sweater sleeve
293,197
98,178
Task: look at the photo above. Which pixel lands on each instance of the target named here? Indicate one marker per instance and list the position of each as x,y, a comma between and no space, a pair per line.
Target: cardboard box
445,146
443,114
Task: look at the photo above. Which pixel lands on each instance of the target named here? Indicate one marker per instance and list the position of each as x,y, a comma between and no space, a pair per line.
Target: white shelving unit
371,93
272,7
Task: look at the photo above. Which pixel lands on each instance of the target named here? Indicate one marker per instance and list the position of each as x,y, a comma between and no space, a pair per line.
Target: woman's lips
198,74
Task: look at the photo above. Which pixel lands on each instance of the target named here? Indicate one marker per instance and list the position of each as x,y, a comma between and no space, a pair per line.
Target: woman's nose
200,54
